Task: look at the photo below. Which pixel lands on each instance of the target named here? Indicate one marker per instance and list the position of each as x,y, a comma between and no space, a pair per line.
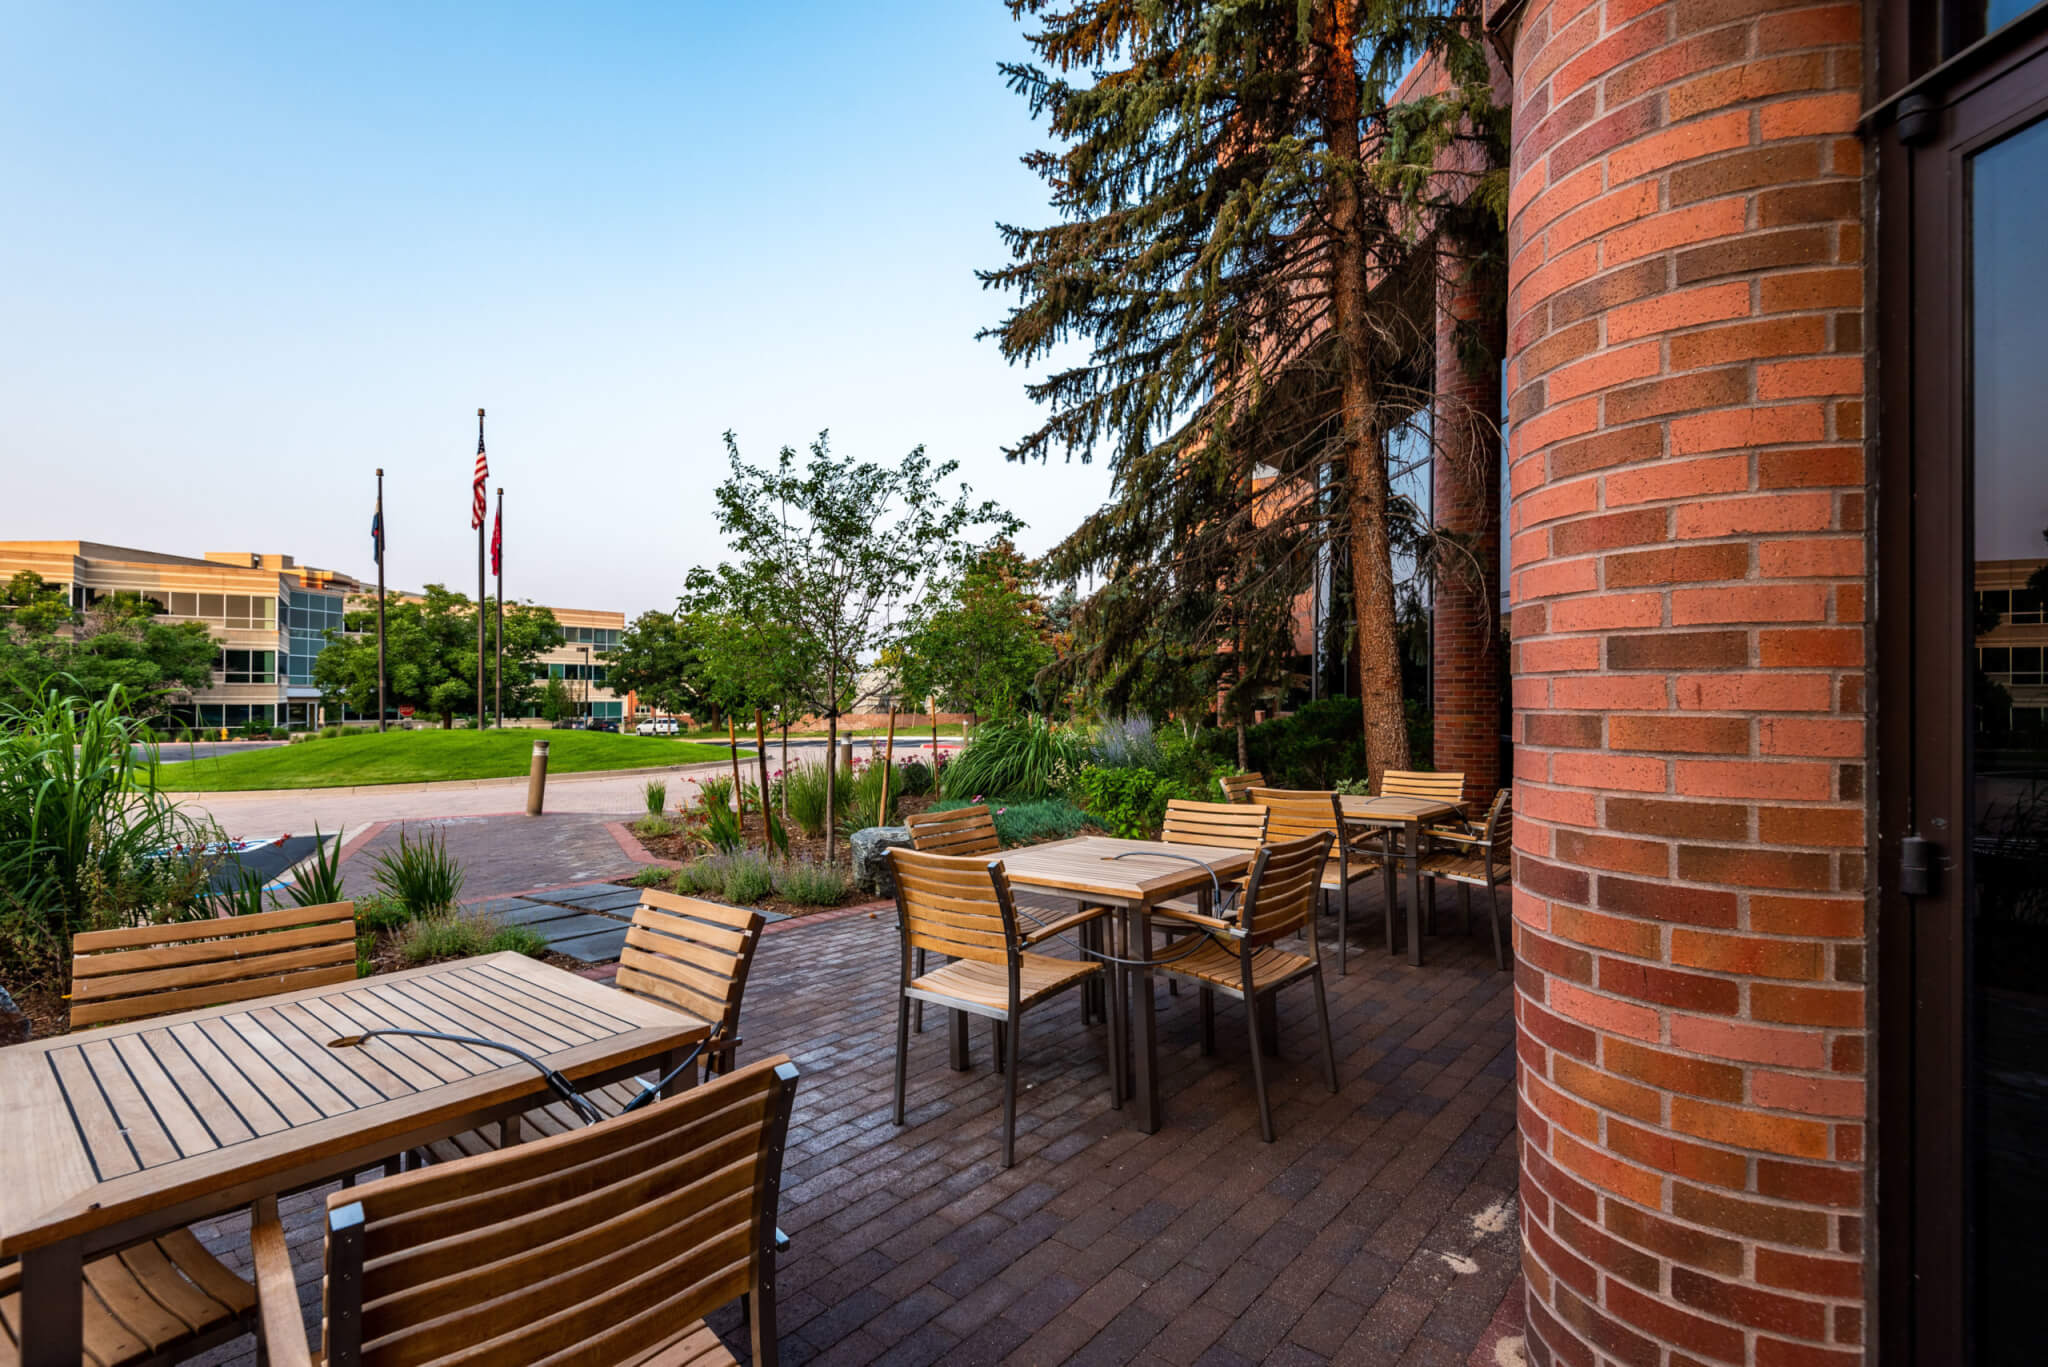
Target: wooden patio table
1149,872
1408,815
114,1135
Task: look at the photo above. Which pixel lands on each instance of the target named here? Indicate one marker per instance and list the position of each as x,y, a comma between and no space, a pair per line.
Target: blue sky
252,252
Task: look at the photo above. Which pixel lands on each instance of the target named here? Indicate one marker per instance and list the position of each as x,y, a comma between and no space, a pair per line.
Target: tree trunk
831,781
447,721
785,772
1372,562
1244,762
761,762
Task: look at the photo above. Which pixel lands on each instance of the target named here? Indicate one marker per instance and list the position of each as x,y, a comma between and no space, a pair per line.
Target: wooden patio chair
1238,787
607,1244
1241,960
142,971
169,1298
972,830
1479,860
960,907
1292,815
1219,825
681,952
1448,786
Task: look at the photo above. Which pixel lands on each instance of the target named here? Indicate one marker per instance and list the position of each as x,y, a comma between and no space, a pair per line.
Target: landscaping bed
365,758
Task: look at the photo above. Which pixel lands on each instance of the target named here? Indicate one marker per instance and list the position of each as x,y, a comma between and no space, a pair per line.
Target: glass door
2005,958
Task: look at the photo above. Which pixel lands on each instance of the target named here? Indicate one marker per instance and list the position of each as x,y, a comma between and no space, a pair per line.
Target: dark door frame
1925,126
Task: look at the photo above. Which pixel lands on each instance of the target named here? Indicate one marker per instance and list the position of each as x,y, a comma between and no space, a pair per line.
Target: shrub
860,804
319,878
806,787
1127,744
715,791
1130,803
701,876
420,874
83,831
377,914
653,876
748,878
655,793
812,884
517,940
448,934
1313,748
1012,758
722,827
1029,823
914,777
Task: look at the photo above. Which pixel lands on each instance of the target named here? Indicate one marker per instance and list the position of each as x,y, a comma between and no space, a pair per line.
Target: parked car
601,724
659,726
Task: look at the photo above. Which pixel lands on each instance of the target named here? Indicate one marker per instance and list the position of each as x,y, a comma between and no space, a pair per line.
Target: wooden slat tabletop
1395,809
1088,866
108,1125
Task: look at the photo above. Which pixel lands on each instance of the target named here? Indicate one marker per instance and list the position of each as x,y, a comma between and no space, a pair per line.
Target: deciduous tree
430,654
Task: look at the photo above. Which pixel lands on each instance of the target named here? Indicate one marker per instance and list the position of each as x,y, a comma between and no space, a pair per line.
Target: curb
448,785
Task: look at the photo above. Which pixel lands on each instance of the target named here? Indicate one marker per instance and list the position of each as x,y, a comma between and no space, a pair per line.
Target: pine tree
1245,228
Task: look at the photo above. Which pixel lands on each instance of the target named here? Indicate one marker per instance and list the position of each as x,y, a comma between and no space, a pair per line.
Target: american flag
483,474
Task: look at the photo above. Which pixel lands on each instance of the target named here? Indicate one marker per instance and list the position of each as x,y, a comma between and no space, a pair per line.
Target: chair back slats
1238,787
1291,815
1281,894
964,830
1500,827
954,905
1441,787
141,971
1229,825
691,954
589,1244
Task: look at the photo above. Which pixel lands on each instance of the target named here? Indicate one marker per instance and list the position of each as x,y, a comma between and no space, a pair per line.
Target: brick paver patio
1381,1228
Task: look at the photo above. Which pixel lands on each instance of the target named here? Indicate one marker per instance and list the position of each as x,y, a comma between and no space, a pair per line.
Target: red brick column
1687,563
1465,636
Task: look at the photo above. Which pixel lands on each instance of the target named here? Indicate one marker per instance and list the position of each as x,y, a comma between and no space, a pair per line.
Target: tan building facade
269,614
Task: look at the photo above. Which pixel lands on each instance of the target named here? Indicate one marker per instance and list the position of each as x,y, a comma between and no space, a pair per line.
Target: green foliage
557,703
978,639
653,876
805,785
651,826
430,654
660,657
1231,179
244,895
749,877
82,829
1130,803
722,828
115,643
1013,758
318,881
863,801
1030,822
915,775
420,873
829,545
811,884
701,876
377,913
715,790
654,793
517,940
445,934
1318,745
778,835
421,756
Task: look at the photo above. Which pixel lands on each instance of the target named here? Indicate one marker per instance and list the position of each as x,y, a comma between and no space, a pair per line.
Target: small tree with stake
828,545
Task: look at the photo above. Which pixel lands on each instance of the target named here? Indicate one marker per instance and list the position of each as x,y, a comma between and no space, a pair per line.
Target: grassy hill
422,757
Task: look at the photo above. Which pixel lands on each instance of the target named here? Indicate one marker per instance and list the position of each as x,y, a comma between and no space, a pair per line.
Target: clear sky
248,253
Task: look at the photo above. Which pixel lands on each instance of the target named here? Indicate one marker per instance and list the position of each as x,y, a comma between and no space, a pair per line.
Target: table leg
53,1305
1411,846
1144,1023
684,1080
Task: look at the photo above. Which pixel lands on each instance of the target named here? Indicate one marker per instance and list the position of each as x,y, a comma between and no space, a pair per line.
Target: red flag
497,540
483,473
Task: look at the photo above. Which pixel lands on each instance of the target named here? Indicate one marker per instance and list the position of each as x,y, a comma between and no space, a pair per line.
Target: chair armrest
1456,837
1182,916
1038,934
277,1292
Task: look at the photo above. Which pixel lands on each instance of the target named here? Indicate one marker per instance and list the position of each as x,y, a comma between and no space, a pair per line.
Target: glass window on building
248,666
309,617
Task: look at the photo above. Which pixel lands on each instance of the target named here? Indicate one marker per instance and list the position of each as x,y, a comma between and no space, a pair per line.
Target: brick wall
1687,552
1466,642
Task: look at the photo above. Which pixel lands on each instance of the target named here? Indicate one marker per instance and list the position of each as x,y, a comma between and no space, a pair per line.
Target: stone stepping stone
523,913
599,892
573,926
593,949
505,906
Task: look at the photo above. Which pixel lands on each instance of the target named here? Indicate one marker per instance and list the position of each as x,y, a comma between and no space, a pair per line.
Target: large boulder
14,1023
871,858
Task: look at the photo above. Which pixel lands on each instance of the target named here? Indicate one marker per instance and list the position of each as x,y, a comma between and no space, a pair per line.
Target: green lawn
423,757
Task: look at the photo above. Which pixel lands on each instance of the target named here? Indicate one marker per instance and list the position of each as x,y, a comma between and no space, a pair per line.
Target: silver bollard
537,778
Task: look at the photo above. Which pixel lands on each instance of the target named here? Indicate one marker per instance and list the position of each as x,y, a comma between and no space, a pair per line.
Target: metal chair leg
1251,1021
917,1010
1110,1056
1323,1019
1208,999
1343,928
999,1033
1269,1022
902,1051
1008,1059
1500,958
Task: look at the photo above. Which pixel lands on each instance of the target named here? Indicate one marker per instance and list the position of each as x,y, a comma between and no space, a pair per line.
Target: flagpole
479,587
498,665
380,598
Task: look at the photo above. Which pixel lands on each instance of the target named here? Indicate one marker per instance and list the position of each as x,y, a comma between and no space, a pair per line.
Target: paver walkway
587,922
1380,1229
503,855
